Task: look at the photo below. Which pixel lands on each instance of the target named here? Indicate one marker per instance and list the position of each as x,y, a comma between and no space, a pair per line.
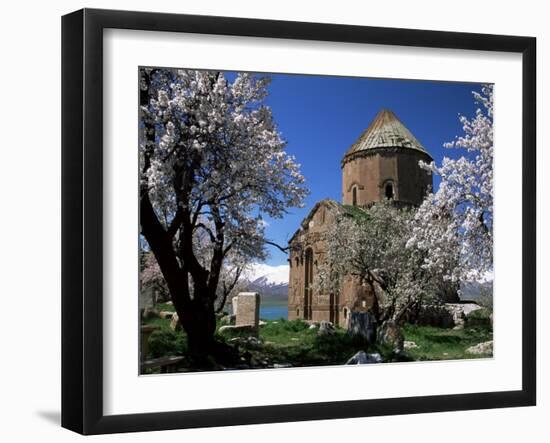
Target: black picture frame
82,218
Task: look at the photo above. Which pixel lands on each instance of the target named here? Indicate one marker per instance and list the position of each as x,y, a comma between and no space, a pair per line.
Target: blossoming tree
370,245
151,275
212,162
456,222
230,282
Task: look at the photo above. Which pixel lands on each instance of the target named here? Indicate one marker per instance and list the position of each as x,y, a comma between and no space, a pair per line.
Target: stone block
248,309
175,323
362,324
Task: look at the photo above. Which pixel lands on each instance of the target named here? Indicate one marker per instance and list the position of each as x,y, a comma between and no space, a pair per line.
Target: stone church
381,164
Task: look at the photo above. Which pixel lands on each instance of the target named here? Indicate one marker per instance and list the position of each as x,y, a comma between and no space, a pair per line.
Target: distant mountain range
476,290
270,281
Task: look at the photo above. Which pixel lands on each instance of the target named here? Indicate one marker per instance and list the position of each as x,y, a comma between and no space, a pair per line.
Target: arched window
388,190
354,196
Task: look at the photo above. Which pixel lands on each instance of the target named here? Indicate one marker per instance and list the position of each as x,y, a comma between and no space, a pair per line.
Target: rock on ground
175,323
240,328
481,348
409,344
326,328
362,358
250,341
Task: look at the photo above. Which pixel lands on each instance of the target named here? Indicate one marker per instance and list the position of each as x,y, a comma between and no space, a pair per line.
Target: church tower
383,164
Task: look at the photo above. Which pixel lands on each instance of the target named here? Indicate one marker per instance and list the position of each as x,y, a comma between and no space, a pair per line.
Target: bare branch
281,248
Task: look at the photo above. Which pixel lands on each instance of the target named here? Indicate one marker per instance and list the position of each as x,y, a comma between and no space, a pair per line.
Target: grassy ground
293,343
445,344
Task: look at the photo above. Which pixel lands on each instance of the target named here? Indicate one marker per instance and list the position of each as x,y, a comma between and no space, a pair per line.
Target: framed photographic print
327,221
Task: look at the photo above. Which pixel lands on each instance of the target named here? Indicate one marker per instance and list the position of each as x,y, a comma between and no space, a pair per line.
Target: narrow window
389,191
308,283
354,196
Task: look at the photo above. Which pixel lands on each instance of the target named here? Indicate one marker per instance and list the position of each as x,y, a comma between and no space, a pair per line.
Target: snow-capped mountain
269,281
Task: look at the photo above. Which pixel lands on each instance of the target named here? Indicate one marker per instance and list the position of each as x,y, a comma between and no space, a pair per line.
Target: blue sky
321,116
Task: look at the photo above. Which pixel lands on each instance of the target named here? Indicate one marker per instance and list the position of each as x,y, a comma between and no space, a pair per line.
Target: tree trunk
198,319
199,322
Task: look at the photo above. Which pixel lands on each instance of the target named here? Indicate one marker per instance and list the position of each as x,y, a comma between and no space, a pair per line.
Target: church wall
353,295
413,180
370,173
387,166
321,308
312,236
296,288
362,173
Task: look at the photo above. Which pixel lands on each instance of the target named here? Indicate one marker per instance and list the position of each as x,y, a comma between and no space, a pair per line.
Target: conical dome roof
385,131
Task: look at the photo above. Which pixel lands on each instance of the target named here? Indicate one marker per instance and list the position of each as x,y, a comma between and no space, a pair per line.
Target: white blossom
370,245
455,225
215,156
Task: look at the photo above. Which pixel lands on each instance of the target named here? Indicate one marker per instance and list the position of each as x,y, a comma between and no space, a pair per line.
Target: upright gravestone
362,324
248,309
145,298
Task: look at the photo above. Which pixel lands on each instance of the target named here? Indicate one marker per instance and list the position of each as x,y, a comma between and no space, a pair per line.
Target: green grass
165,307
445,344
157,322
292,342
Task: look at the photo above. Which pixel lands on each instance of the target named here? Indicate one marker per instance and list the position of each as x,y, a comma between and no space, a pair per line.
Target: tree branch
281,248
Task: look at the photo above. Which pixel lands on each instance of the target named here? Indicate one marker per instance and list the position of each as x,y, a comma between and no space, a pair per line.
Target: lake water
274,312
